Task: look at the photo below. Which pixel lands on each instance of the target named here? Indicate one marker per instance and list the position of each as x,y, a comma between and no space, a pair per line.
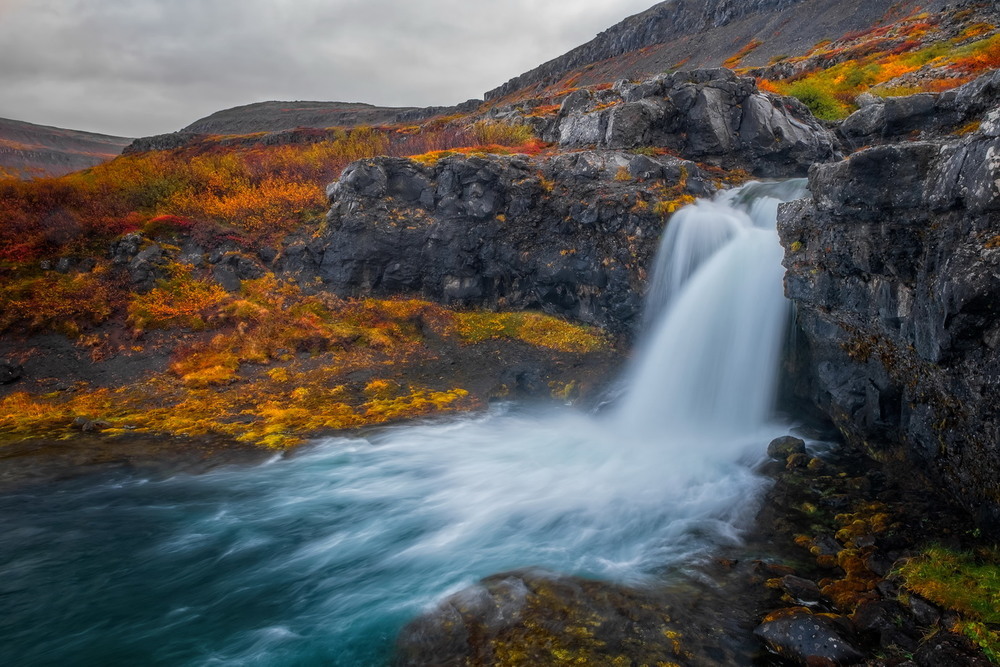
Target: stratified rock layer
894,266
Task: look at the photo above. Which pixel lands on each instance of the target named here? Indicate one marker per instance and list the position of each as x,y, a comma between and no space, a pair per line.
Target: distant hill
29,151
687,34
277,116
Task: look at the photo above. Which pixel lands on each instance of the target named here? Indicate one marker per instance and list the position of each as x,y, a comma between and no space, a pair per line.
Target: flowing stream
321,557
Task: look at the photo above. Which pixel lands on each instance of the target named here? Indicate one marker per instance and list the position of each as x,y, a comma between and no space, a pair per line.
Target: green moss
968,583
982,636
820,101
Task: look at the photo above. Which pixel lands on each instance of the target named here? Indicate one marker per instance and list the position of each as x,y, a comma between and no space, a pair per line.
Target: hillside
28,150
278,116
687,34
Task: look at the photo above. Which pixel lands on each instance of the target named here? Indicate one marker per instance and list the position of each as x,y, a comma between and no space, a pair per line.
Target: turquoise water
320,558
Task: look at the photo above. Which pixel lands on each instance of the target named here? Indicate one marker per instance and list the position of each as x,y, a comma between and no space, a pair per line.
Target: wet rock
803,591
10,372
886,623
785,446
808,639
923,611
536,618
90,426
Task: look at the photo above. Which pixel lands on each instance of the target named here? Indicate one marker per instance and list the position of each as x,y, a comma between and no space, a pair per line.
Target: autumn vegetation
265,365
223,189
911,56
269,363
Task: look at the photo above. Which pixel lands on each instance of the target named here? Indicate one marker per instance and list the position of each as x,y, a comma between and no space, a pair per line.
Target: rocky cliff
894,266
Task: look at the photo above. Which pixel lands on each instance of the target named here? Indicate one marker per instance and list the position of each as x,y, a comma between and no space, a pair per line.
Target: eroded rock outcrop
710,115
924,114
894,266
570,234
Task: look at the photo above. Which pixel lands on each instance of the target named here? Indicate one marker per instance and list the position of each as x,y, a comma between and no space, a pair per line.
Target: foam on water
323,555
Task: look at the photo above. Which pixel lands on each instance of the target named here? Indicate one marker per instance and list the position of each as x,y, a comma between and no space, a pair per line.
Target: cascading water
322,556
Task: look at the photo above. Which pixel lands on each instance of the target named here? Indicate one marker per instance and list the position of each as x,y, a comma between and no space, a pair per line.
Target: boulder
798,635
536,617
785,446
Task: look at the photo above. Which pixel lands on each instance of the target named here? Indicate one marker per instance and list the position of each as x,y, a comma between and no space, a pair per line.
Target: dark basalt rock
163,142
10,372
798,635
709,115
571,234
927,114
894,266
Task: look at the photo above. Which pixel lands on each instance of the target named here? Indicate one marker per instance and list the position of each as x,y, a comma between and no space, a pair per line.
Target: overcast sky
140,67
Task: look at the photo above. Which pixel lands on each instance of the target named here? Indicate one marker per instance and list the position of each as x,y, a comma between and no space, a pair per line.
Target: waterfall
321,556
709,363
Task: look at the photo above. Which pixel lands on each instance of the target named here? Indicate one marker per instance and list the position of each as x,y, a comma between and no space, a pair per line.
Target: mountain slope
686,34
28,150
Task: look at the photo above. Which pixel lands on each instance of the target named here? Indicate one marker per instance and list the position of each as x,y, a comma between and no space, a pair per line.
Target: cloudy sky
140,67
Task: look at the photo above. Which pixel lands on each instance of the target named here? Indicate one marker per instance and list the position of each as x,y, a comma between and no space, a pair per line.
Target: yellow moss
381,389
623,174
666,207
533,328
968,128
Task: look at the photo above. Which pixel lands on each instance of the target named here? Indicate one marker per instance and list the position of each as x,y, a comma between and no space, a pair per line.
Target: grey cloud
137,67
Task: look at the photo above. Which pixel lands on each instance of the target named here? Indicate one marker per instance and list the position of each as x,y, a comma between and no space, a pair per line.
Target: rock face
894,266
709,115
897,118
571,234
